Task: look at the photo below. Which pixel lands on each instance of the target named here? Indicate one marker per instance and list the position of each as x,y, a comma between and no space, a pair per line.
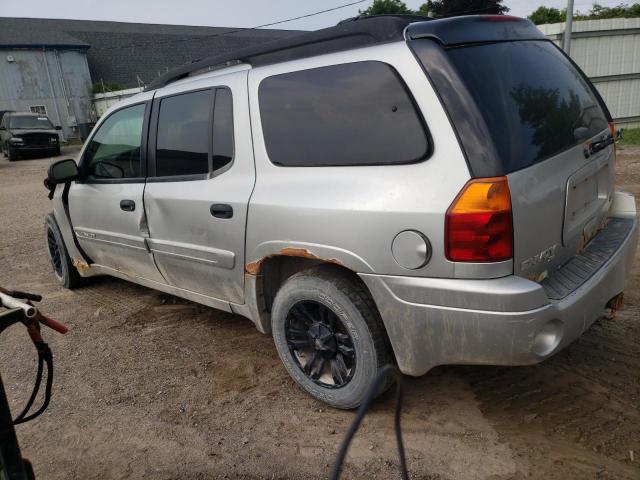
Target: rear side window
533,100
222,129
182,145
351,114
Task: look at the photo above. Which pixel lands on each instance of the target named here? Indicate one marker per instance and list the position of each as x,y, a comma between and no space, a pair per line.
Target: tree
387,7
450,8
597,11
547,15
553,15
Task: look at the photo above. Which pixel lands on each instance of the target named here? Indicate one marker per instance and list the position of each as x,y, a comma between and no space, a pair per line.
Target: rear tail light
612,129
479,223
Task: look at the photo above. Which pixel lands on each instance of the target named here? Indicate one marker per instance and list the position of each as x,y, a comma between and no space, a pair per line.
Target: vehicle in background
423,192
28,133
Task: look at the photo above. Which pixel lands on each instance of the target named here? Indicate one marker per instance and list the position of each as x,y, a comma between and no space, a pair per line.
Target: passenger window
114,150
182,145
222,129
352,114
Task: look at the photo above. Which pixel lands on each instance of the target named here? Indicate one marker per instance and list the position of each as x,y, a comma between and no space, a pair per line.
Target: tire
352,312
64,271
12,154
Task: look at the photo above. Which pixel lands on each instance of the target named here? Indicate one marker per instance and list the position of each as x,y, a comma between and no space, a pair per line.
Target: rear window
351,114
534,102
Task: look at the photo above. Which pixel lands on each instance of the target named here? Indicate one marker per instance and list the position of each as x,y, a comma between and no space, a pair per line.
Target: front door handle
221,210
127,205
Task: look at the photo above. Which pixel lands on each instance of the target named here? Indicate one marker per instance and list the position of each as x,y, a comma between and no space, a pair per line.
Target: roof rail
351,33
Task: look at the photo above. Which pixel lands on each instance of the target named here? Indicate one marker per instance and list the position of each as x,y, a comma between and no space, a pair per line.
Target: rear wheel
329,335
64,271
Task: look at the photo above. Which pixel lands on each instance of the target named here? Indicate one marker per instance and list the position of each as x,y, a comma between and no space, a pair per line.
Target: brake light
500,18
612,129
479,223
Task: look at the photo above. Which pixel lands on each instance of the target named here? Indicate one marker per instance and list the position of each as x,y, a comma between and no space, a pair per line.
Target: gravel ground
150,386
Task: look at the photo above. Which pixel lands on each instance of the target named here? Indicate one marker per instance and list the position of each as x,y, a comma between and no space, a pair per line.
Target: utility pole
566,39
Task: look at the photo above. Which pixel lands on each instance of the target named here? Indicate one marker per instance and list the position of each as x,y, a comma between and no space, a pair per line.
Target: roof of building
619,25
14,33
129,54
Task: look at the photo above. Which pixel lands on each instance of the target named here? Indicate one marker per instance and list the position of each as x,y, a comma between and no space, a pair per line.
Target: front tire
63,270
12,154
329,335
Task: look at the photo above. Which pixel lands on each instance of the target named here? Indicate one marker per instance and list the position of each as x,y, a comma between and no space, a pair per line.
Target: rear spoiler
475,29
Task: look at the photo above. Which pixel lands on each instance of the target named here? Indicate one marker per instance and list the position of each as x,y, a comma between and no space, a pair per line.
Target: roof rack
351,33
363,31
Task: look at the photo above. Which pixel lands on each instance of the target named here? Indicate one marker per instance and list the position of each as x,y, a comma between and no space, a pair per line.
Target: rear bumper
505,321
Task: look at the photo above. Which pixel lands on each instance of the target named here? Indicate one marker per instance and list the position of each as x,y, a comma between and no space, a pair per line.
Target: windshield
27,122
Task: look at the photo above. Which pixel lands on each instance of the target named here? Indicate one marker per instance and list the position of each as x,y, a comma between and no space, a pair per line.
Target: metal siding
25,82
608,48
622,97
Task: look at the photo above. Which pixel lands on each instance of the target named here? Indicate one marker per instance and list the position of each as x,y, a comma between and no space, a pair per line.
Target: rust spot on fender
253,268
79,264
297,252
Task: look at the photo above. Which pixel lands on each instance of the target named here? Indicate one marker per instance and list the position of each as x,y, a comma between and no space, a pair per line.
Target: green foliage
553,15
105,87
386,7
437,8
449,8
598,11
630,136
548,15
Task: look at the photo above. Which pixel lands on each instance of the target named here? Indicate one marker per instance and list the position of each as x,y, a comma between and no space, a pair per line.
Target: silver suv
387,190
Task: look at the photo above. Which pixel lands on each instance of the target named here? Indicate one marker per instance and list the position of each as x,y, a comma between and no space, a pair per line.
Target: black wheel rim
54,253
320,344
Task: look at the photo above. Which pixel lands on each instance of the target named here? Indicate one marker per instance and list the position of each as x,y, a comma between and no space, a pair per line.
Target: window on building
351,114
114,150
39,109
182,145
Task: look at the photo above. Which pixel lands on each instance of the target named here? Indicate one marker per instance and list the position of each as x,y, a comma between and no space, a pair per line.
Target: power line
214,35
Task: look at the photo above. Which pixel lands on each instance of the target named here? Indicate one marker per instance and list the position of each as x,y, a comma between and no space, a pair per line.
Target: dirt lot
149,386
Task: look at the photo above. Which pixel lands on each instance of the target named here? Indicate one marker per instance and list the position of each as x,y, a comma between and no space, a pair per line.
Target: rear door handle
221,210
127,205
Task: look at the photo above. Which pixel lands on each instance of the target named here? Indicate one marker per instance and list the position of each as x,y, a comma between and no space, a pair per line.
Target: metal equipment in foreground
18,308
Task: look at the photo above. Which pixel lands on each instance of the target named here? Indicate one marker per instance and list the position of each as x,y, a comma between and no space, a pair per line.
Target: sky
223,13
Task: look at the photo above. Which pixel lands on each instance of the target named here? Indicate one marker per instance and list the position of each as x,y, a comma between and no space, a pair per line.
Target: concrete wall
609,53
57,79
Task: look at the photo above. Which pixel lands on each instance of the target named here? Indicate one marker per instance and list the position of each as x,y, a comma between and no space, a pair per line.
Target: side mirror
58,127
62,171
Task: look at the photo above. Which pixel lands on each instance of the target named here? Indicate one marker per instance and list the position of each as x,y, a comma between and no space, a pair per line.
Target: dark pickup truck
28,133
